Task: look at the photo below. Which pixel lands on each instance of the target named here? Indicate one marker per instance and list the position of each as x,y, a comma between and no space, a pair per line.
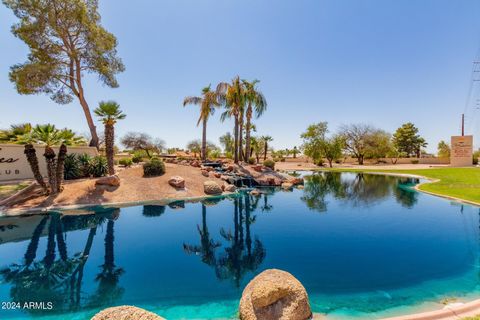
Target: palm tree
208,102
232,95
255,100
49,136
266,140
109,112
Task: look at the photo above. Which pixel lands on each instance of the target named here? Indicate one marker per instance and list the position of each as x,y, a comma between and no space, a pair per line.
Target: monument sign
14,164
461,154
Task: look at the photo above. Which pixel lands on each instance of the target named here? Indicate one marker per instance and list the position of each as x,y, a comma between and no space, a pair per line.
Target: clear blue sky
380,62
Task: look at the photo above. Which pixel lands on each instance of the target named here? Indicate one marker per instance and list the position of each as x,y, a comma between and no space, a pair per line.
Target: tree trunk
266,150
109,142
235,141
330,162
360,159
32,159
247,133
204,140
51,169
60,169
240,139
91,124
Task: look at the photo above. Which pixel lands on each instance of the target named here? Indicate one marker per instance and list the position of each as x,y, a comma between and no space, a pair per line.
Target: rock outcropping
274,295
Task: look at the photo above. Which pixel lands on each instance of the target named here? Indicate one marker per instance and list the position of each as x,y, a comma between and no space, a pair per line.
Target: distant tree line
361,142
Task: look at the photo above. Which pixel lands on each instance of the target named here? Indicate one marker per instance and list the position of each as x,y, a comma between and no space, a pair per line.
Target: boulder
177,182
274,295
300,186
287,185
224,178
217,174
230,167
211,187
205,173
229,188
113,181
126,313
195,164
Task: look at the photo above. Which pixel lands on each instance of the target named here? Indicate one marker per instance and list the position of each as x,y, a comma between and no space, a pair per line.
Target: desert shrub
98,166
228,155
252,160
269,164
154,167
320,162
84,161
72,167
126,162
282,159
137,158
414,161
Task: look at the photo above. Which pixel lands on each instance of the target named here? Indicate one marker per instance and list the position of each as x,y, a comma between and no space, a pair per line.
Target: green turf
462,183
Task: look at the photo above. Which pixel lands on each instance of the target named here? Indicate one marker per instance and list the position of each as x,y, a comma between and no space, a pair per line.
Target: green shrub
252,160
84,160
320,162
414,161
126,162
137,158
269,164
282,159
72,168
154,167
98,166
228,155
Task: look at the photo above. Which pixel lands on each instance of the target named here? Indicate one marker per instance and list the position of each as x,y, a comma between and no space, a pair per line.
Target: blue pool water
364,246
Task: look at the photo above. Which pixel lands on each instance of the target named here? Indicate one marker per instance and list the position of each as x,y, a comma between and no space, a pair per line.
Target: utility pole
463,124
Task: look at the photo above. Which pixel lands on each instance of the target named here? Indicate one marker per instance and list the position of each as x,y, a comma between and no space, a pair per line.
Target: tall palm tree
266,140
255,101
207,102
232,95
109,113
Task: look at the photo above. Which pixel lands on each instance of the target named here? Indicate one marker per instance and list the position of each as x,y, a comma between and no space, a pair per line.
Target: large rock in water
211,187
275,295
126,313
113,181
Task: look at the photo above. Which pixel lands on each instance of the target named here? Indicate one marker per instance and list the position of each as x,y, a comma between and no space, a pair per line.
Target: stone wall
14,165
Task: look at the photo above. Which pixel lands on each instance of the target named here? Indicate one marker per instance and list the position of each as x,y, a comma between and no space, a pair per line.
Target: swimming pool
364,246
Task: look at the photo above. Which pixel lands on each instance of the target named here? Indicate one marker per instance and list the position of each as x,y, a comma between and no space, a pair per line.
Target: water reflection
58,279
357,190
243,252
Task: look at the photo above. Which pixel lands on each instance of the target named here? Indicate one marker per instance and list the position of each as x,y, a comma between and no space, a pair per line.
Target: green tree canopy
317,145
443,149
407,140
66,40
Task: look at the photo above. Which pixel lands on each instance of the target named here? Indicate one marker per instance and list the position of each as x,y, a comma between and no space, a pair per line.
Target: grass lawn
10,189
462,183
